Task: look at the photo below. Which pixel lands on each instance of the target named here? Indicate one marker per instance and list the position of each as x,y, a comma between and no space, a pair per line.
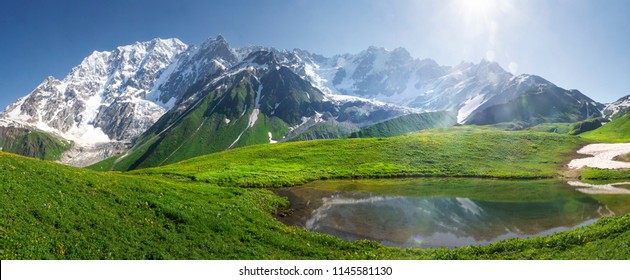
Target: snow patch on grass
603,155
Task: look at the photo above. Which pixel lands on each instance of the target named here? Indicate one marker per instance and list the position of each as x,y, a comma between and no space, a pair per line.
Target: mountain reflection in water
411,221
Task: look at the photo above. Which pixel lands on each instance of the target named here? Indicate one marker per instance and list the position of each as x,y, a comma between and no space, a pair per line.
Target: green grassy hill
219,121
407,123
616,131
560,128
569,128
460,151
556,105
52,211
237,111
32,143
329,129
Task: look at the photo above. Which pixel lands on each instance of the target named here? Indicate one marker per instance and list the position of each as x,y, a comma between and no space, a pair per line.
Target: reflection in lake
439,220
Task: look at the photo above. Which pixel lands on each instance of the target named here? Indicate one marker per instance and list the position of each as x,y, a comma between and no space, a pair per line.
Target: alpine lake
445,212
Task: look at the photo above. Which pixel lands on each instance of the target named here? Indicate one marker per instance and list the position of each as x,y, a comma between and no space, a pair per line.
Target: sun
475,11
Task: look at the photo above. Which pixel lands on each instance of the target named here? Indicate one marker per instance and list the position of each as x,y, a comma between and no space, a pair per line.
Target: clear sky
576,44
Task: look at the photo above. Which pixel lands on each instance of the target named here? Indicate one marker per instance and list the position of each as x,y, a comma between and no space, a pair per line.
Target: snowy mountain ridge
103,98
113,97
618,108
396,77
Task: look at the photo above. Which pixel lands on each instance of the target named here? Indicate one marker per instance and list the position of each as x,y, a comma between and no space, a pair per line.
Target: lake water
444,212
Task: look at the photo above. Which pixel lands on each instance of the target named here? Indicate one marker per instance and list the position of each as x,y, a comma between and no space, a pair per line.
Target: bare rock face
195,64
87,155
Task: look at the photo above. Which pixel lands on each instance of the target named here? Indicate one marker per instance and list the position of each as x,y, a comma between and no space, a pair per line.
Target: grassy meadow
617,131
454,152
219,206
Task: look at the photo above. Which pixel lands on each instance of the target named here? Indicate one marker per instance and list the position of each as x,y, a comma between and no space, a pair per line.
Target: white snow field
602,156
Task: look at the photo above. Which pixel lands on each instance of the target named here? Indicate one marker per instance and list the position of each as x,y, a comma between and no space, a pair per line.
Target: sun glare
478,10
480,22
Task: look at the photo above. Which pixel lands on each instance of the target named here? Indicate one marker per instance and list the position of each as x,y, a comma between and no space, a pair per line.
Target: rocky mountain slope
618,108
259,100
102,100
162,101
468,89
538,102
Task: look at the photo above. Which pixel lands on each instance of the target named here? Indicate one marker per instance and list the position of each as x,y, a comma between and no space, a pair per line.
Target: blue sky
579,44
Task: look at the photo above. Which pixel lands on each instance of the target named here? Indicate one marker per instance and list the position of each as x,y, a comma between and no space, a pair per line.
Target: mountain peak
263,57
625,98
463,65
214,41
401,50
374,49
167,42
486,62
491,66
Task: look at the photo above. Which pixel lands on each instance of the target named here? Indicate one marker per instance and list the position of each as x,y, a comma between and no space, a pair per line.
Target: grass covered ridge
407,123
616,131
52,211
32,143
456,152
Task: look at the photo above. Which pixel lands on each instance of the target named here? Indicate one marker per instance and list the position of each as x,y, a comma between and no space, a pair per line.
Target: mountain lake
446,212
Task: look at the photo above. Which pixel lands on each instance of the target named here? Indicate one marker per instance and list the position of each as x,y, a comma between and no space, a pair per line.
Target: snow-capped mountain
258,100
103,99
144,93
618,108
396,77
542,103
209,59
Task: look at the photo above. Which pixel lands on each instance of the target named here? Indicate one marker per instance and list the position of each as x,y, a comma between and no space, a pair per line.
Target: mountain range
162,101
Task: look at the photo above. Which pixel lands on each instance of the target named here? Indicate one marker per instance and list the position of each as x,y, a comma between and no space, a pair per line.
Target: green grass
455,152
573,128
324,130
407,123
52,211
32,143
560,128
585,126
605,174
105,165
202,130
617,131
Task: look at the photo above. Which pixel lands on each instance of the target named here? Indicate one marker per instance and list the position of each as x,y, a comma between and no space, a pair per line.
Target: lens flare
418,240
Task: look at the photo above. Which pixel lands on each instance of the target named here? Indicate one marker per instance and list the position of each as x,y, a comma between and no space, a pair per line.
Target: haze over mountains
163,101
